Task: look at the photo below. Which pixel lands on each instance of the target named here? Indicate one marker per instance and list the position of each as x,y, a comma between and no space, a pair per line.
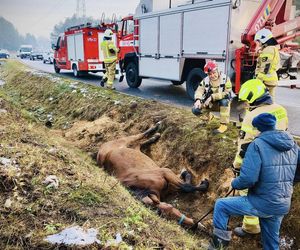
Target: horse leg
168,210
152,129
132,141
151,140
173,180
186,176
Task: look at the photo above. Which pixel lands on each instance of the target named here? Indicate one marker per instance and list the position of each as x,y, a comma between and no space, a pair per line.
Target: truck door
61,57
126,43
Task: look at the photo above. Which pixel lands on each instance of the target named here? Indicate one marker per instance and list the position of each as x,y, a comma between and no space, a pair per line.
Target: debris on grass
74,236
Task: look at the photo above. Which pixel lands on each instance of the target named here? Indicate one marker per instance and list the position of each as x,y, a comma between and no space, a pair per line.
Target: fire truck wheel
75,70
56,69
132,75
176,83
195,76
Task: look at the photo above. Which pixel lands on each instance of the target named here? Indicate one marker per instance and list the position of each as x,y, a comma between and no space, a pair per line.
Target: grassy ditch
79,118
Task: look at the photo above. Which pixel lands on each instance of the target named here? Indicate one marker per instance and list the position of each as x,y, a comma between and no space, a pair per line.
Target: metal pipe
170,4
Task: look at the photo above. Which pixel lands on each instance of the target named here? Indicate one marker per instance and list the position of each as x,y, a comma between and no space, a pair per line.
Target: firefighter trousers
223,106
250,223
110,73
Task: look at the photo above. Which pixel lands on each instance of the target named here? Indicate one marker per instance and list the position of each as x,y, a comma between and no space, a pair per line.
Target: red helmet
210,66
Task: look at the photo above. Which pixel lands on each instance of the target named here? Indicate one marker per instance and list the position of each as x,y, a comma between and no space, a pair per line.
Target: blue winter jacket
268,171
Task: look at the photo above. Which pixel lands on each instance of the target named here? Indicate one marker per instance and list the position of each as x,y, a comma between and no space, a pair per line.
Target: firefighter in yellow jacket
255,93
214,89
110,54
268,60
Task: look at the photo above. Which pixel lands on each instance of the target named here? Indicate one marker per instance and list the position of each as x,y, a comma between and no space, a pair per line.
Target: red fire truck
173,43
78,49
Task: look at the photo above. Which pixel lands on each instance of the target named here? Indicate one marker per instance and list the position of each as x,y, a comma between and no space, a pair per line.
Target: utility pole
80,9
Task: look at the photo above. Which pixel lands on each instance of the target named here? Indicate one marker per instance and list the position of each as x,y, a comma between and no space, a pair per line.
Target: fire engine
173,43
78,49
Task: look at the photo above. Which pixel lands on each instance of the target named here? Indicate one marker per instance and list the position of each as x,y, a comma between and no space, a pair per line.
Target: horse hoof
156,136
183,173
204,183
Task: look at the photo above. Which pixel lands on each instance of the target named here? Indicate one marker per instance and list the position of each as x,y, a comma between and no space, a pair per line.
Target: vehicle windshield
26,49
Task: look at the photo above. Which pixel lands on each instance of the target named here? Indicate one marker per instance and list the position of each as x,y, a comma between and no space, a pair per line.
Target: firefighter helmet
252,90
108,33
263,35
210,66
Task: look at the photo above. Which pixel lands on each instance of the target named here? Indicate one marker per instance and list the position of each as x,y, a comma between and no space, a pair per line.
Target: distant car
48,57
4,54
36,56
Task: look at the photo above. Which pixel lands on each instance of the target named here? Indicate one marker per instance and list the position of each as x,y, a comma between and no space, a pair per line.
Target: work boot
217,243
103,81
240,232
121,78
208,117
221,129
110,87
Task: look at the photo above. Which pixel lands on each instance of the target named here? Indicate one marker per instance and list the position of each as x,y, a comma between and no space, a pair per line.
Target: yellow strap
279,113
248,129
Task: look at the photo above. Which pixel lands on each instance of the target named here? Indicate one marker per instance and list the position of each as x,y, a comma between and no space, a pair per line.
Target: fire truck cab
78,49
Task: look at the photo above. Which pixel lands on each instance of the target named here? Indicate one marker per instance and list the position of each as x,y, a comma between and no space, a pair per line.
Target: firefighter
110,53
214,89
268,60
255,93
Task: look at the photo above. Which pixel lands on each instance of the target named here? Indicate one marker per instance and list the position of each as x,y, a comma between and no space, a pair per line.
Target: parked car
4,53
36,55
48,57
25,51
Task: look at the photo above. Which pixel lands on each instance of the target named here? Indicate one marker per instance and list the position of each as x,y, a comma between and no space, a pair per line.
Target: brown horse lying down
135,170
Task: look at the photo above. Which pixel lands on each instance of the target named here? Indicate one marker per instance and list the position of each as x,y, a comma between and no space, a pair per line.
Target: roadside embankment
54,126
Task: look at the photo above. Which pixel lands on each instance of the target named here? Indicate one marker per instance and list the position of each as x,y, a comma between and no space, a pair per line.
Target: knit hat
264,122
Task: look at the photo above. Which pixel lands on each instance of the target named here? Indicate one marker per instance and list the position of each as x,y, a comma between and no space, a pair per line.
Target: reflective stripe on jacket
248,132
267,64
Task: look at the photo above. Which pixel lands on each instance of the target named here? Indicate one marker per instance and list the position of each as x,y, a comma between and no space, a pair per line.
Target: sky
38,17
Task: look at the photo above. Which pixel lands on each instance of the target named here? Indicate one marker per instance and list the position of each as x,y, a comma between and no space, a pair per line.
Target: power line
81,9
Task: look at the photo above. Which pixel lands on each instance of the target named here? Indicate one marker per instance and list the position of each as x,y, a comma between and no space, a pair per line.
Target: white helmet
263,35
108,33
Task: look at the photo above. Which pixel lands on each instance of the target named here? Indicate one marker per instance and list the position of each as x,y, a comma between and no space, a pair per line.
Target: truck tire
132,75
194,77
75,70
177,83
56,69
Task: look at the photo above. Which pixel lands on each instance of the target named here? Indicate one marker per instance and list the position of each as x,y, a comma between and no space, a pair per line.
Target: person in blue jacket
268,171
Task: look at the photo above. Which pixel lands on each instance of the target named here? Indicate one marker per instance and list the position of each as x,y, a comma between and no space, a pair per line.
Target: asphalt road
166,92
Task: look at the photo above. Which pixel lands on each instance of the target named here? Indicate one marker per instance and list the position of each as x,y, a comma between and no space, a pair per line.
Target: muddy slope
82,117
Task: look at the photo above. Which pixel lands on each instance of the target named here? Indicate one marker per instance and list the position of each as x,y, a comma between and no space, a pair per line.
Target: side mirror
54,47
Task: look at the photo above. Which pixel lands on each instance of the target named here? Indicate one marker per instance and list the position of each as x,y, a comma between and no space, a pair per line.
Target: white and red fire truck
173,43
78,49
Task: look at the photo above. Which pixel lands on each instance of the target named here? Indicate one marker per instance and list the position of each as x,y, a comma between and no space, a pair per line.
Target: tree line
11,39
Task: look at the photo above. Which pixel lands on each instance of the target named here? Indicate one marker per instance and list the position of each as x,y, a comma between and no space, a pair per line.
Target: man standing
268,172
215,88
255,94
110,53
268,60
